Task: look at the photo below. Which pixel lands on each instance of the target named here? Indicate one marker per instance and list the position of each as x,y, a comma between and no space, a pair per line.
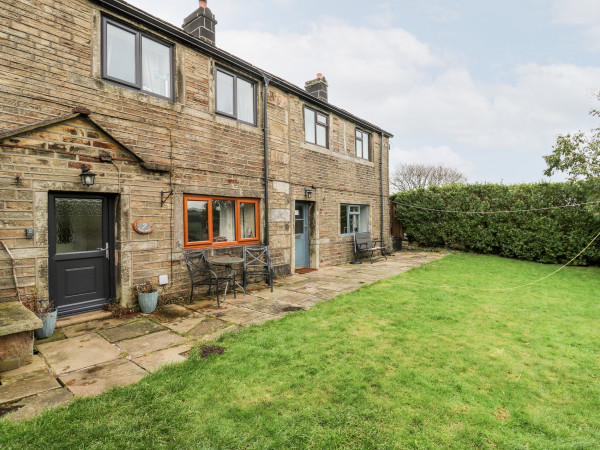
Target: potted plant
147,296
46,311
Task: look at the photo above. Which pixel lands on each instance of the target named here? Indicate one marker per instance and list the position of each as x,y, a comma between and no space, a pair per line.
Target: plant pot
148,302
48,324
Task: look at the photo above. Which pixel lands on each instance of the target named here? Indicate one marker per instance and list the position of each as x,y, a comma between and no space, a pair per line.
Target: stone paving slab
217,334
92,327
82,318
275,307
34,405
78,352
208,309
11,376
153,342
155,361
131,330
28,385
207,326
239,315
286,295
171,313
97,379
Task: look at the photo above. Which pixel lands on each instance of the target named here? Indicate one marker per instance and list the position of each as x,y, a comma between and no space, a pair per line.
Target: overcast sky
481,86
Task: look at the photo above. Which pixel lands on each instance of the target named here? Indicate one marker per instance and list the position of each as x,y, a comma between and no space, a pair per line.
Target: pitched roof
182,36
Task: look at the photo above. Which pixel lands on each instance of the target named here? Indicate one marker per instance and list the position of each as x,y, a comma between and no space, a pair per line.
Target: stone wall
51,57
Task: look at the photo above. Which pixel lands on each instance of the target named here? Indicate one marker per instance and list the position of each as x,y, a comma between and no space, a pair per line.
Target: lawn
394,364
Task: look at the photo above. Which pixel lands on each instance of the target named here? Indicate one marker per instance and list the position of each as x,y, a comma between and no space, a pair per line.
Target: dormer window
136,60
316,127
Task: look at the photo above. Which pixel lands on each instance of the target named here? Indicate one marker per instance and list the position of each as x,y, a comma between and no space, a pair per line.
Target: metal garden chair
201,274
257,262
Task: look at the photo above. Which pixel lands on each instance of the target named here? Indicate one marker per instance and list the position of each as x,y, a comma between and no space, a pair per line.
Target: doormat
302,270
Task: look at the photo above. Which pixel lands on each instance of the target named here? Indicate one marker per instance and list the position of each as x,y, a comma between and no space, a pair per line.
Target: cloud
391,78
431,156
579,13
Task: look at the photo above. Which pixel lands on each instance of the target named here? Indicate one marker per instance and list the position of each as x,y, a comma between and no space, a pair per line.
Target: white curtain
156,67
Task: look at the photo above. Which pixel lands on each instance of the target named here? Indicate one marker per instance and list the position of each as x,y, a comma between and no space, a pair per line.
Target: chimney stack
201,23
317,87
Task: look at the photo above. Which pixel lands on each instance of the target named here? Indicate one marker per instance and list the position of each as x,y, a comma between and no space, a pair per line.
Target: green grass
391,365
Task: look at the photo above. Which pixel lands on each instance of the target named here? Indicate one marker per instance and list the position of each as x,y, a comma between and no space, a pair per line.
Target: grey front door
301,230
80,244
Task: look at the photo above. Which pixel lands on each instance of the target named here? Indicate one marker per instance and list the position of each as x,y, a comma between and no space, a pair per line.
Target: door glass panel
299,222
223,213
248,220
197,213
78,224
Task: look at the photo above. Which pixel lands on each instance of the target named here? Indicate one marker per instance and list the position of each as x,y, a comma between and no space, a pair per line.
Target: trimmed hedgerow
549,236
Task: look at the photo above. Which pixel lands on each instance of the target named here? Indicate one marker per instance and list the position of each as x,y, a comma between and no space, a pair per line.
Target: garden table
228,262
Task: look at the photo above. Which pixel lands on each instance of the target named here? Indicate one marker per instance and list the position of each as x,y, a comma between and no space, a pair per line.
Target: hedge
550,236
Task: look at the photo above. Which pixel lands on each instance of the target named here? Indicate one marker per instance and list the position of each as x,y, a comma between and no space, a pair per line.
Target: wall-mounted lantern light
307,192
87,177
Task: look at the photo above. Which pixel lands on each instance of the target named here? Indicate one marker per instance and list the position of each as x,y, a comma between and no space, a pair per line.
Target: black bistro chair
201,274
257,263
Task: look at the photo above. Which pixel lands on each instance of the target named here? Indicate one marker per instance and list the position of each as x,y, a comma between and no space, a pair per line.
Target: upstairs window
136,60
217,221
363,145
236,97
316,127
354,218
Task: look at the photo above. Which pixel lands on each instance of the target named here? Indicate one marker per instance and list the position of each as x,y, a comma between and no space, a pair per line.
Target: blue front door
301,230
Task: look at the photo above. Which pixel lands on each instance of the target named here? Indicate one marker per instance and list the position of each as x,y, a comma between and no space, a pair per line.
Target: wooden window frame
238,231
362,139
235,87
317,125
138,58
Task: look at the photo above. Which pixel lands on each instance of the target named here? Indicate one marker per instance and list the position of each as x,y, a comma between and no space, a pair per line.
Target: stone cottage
126,141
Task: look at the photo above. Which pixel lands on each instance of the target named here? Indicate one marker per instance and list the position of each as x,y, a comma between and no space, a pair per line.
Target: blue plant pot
49,323
148,302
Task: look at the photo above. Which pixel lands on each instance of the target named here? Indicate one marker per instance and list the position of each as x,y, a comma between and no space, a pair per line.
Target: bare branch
406,177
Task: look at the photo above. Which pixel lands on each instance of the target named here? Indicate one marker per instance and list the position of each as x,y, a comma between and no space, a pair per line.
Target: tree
414,176
578,155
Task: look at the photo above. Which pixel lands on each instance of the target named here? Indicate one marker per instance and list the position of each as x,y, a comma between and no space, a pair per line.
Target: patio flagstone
147,344
240,315
207,326
155,361
94,380
275,307
90,327
78,352
35,404
30,384
130,330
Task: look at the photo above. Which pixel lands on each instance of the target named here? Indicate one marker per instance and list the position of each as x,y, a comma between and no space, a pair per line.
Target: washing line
575,205
508,288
